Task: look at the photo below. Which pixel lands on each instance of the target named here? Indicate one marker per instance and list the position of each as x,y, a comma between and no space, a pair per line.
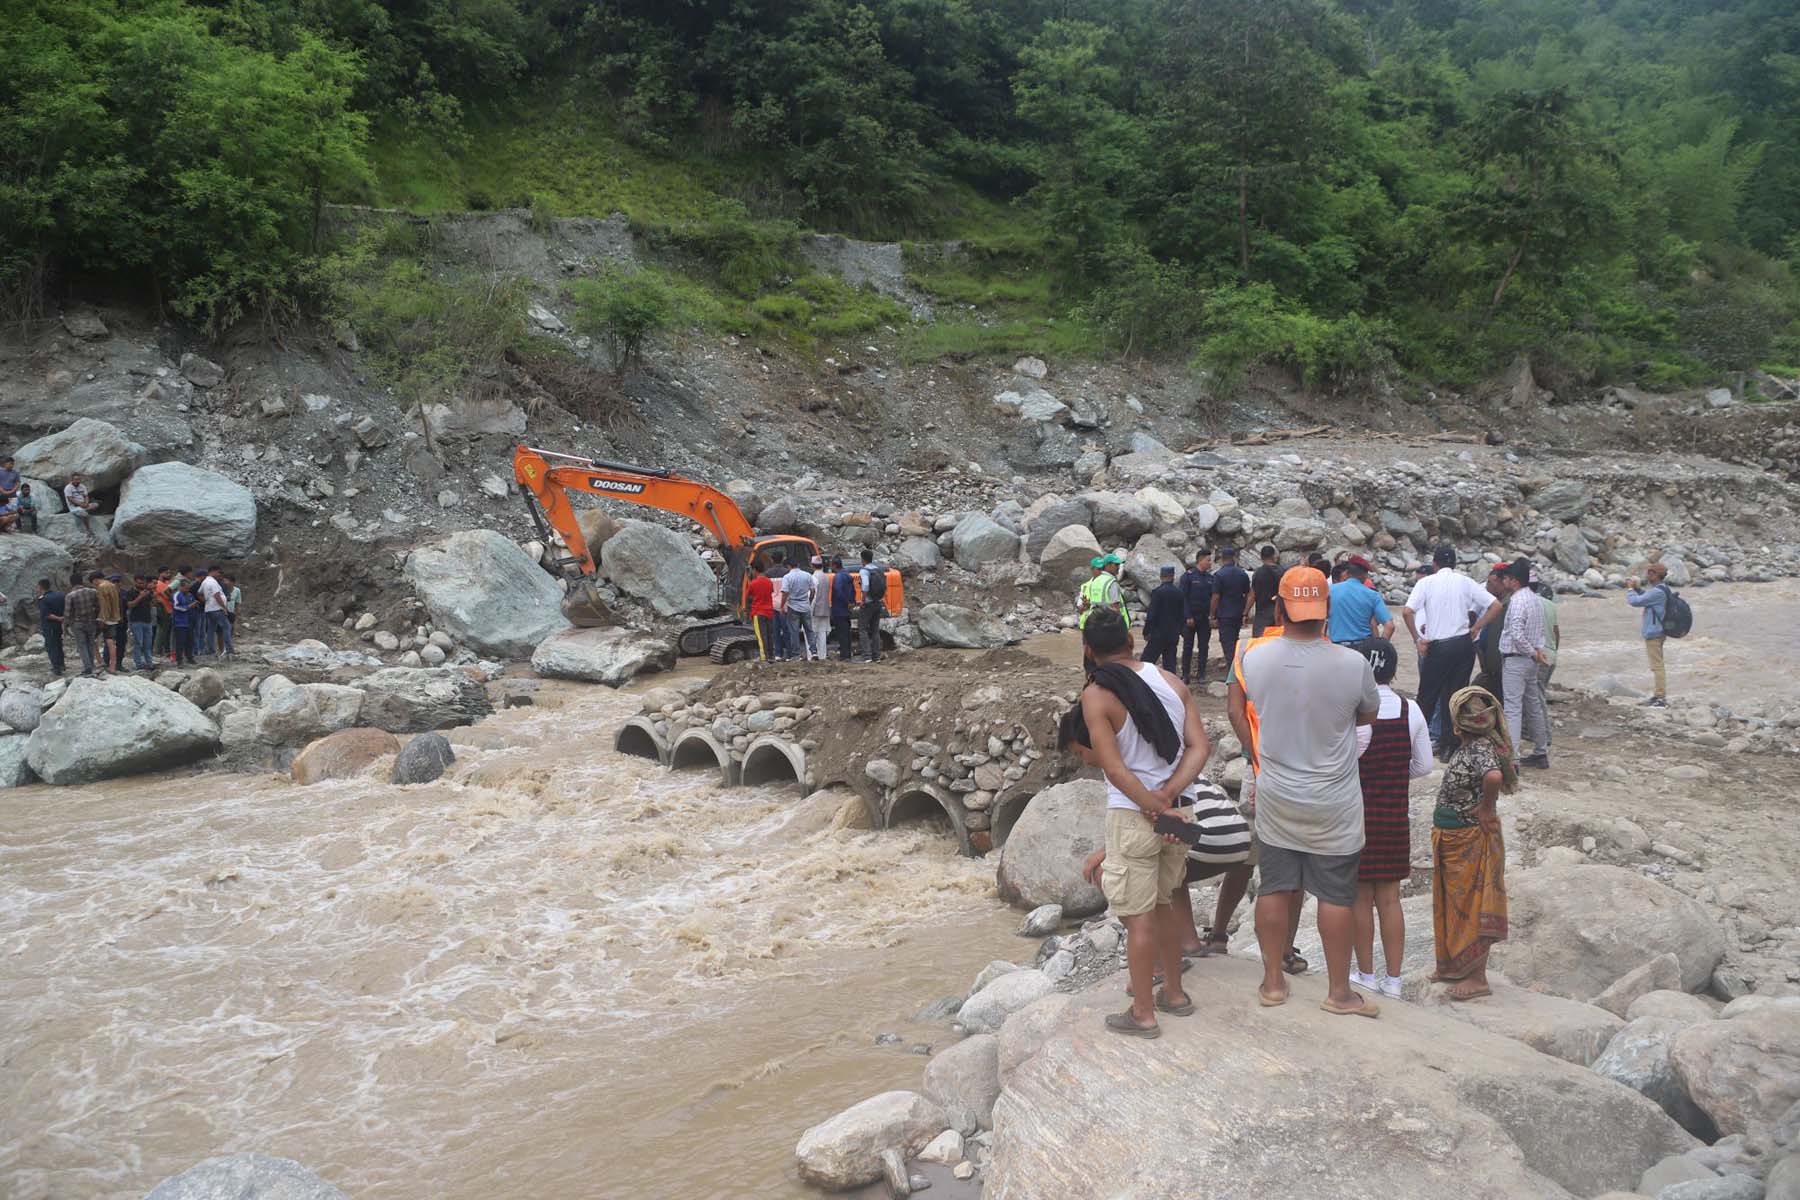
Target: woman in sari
1468,886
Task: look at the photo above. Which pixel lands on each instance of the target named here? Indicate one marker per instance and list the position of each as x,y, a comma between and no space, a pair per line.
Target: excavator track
733,650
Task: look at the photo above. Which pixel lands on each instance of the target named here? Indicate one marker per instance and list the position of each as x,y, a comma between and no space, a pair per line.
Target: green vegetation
1348,187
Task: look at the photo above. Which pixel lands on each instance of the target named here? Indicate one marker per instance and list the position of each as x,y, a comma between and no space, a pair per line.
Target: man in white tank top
1143,779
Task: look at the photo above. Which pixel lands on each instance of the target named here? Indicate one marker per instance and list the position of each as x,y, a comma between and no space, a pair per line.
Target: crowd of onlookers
120,624
797,610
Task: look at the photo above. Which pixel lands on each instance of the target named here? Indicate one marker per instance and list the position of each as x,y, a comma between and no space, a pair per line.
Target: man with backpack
874,592
1666,615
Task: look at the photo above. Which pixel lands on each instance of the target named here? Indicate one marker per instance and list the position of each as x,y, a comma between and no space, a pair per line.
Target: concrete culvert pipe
696,748
638,737
1006,814
919,801
773,760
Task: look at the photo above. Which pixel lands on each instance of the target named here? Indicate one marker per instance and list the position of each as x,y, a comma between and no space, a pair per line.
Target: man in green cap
1102,591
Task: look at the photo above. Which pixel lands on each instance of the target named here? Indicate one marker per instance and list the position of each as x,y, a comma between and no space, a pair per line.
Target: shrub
622,308
1250,325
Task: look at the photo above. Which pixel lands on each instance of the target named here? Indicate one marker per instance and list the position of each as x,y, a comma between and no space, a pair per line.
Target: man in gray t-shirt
1295,702
798,585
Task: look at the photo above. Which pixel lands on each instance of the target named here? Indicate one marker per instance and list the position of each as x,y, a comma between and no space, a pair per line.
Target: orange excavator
546,478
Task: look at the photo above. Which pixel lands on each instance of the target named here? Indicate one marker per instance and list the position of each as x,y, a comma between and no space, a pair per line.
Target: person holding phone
1149,742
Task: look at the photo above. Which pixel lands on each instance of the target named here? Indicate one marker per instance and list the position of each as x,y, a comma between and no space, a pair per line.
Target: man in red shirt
761,591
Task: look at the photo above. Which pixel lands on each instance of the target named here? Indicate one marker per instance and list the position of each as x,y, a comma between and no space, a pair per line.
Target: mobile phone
1187,831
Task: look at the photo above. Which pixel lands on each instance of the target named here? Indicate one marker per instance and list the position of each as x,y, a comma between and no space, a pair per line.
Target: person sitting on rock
1310,696
1149,742
1468,853
28,510
9,515
80,504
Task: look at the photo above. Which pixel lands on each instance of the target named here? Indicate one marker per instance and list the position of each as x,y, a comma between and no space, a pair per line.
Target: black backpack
1678,617
877,589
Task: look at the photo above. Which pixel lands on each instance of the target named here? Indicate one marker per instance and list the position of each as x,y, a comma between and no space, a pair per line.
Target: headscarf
1475,713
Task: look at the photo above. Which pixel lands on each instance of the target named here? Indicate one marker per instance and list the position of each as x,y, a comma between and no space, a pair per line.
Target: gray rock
1042,921
780,516
292,714
1662,973
245,1177
201,372
1565,1029
882,772
1044,524
1638,1057
967,1075
609,656
172,506
919,553
987,1010
962,628
1570,551
1574,930
84,325
49,498
25,559
486,592
101,729
979,541
1116,517
747,496
1300,534
1031,404
1565,500
1720,1187
1671,1005
1067,556
416,699
1402,525
1088,464
1040,862
1783,1182
423,759
1143,566
844,1152
77,534
1743,1073
1671,1170
15,770
658,566
21,708
100,452
203,688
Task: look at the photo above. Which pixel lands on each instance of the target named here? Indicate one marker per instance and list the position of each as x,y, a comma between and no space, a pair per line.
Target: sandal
1156,980
1184,1009
1368,1008
1292,963
1213,945
1126,1024
1263,999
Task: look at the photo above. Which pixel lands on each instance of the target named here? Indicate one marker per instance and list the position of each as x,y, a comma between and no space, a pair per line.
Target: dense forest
1351,187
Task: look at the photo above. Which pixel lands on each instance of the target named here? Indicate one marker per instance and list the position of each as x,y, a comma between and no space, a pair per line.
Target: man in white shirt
75,496
1438,617
217,626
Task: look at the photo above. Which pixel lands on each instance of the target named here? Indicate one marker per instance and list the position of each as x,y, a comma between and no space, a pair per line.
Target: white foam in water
388,983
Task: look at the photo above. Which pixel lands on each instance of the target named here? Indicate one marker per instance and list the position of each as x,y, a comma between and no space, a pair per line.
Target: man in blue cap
1164,621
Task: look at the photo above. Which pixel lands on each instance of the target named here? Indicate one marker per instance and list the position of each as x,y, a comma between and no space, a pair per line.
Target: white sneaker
1390,987
1368,983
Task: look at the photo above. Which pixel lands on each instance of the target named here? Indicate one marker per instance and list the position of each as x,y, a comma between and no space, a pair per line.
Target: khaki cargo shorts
1141,870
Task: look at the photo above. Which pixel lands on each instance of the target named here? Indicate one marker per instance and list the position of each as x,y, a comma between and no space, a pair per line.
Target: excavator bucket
586,608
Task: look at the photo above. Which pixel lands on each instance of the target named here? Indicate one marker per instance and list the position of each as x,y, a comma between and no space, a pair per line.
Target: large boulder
119,726
1639,1057
1048,521
415,699
609,656
1041,860
49,499
1576,929
1565,1029
21,709
844,1152
1561,499
98,451
656,565
1068,556
962,628
76,534
15,769
1745,1072
485,592
1116,517
1143,566
295,713
987,1010
172,507
1441,1108
1165,510
1662,973
979,541
25,559
245,1177
597,528
1300,533
342,755
966,1076
1570,550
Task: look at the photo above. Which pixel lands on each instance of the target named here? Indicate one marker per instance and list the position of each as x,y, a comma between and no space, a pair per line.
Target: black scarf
1146,711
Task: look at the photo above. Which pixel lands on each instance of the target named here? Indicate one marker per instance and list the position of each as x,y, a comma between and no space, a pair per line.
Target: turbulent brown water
560,972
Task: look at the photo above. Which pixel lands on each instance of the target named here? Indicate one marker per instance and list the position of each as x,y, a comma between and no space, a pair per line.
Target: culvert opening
639,742
913,807
1006,815
770,762
694,754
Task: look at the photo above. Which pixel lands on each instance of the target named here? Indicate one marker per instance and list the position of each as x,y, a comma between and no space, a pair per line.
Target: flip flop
1450,994
1126,1024
1292,963
1184,1009
1264,1000
1368,1008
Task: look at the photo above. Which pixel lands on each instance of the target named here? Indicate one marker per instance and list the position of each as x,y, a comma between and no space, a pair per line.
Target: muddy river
559,973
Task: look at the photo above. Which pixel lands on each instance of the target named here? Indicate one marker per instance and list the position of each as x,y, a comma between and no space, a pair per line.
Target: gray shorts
1330,877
